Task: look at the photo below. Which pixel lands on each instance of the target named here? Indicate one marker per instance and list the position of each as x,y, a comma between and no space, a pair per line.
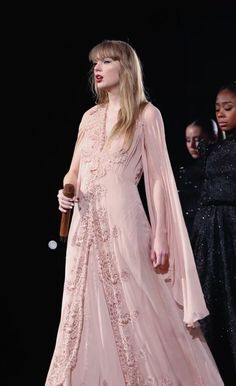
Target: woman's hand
160,255
65,203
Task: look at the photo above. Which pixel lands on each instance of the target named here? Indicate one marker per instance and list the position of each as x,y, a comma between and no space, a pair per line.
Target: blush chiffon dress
122,323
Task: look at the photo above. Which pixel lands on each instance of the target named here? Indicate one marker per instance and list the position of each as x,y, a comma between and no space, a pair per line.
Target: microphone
68,191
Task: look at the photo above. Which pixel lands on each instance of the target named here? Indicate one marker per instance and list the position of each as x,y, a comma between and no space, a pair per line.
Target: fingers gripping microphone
68,191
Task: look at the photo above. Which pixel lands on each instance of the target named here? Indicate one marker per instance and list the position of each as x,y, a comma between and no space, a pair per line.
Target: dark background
187,52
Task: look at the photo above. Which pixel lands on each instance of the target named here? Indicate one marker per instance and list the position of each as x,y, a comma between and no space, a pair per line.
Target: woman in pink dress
132,297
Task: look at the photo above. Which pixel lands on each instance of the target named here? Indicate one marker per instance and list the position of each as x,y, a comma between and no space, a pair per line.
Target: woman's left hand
160,256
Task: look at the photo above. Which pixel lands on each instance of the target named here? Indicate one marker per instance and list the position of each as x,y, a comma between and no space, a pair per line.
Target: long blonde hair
133,96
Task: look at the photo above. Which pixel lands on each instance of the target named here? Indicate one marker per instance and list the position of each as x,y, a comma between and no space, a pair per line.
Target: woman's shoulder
205,147
151,111
151,115
91,112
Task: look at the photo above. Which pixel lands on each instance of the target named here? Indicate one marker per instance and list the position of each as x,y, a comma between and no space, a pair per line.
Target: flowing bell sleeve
167,220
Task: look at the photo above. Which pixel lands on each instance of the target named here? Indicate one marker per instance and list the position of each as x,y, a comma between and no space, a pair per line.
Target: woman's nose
193,144
97,65
220,113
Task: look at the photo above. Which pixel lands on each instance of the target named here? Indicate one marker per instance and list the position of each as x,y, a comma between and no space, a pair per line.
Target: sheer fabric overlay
122,324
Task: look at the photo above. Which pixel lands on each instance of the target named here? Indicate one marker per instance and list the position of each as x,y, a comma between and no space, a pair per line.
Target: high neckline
231,134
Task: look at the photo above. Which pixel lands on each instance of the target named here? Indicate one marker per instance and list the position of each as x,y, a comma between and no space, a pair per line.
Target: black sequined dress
189,182
214,246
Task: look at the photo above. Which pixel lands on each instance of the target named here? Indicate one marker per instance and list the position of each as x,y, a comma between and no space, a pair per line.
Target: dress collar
231,134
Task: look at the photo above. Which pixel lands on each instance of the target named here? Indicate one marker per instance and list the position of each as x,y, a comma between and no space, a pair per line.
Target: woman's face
107,74
226,110
193,135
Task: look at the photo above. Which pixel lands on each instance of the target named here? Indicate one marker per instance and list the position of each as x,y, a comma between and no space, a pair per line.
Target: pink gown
122,324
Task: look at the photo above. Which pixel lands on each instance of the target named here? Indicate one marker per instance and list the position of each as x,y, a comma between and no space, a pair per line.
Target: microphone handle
68,191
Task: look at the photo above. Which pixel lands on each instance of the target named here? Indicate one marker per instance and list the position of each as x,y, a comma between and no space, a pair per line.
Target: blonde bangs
105,50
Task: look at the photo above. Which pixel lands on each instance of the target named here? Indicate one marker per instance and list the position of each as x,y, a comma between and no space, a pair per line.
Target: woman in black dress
214,237
189,178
